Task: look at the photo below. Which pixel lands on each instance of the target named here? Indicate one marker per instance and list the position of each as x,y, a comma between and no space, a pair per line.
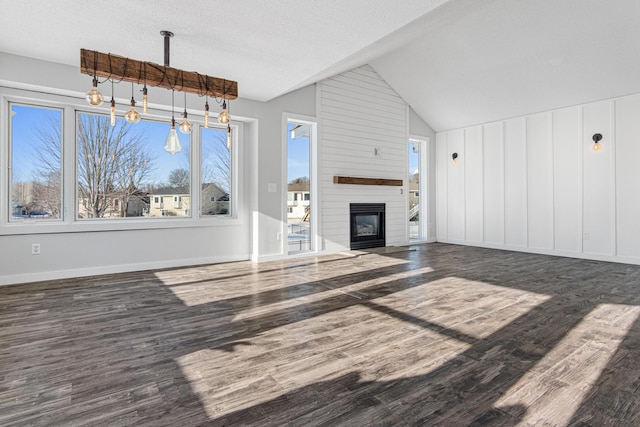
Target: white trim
114,269
423,188
313,179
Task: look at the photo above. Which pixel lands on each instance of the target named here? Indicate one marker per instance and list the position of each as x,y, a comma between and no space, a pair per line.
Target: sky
298,156
26,120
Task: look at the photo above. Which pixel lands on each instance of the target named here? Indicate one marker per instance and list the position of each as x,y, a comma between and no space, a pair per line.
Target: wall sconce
596,141
454,159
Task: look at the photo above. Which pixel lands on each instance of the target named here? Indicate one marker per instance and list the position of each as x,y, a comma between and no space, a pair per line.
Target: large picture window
35,163
67,168
123,170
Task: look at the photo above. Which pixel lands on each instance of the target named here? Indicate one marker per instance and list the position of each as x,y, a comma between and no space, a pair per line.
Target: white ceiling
477,61
456,62
268,47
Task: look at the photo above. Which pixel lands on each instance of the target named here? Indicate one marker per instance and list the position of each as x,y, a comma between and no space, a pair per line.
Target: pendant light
224,116
172,144
132,115
229,137
145,107
113,107
94,97
185,126
206,113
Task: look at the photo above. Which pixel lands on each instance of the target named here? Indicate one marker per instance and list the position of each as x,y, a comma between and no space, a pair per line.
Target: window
215,171
35,179
417,156
64,166
125,162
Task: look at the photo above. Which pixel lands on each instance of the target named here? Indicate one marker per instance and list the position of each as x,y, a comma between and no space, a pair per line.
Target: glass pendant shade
172,144
94,97
224,116
185,126
113,112
596,147
132,115
145,104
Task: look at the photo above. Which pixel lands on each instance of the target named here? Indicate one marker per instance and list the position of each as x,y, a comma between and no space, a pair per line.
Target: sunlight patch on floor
246,283
553,390
473,308
328,290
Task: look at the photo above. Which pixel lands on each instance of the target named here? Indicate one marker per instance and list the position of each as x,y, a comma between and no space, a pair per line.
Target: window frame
8,152
71,105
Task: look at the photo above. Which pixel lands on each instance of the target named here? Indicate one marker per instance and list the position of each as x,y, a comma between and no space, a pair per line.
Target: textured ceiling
268,47
456,62
477,61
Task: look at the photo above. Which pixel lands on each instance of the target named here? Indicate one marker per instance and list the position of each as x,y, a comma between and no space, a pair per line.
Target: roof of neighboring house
298,186
170,191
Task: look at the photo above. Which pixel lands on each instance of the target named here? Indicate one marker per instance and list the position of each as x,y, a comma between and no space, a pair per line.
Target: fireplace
367,225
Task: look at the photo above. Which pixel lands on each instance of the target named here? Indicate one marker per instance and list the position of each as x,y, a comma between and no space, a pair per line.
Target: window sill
37,226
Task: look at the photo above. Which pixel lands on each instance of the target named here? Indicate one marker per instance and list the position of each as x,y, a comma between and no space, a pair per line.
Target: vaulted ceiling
456,62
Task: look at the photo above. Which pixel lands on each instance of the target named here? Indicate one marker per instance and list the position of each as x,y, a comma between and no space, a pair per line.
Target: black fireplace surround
367,225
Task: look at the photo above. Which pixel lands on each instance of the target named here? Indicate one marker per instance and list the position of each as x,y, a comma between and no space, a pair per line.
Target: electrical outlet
35,249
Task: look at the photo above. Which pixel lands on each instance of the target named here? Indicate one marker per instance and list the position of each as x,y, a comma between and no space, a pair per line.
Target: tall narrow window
299,218
35,163
127,163
417,190
215,172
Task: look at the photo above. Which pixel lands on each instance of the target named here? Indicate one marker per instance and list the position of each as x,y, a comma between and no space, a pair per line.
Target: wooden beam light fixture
118,68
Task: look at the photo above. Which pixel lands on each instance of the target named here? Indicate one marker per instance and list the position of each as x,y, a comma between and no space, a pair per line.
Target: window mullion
69,165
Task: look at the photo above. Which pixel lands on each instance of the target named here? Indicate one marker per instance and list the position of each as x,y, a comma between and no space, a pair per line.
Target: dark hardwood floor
425,335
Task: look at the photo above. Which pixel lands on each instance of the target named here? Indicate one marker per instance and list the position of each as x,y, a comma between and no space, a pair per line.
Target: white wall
534,183
359,116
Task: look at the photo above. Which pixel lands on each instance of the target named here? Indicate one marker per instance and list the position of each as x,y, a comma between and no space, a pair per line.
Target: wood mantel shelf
366,181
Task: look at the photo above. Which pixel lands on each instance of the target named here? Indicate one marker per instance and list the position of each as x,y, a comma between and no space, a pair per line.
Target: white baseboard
112,269
542,251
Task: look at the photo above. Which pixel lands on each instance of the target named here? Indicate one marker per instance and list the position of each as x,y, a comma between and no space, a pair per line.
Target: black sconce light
596,141
454,159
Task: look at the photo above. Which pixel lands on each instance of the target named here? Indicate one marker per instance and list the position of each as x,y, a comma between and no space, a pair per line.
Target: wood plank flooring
426,335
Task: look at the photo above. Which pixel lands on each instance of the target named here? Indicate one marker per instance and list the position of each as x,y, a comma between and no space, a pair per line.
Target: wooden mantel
366,181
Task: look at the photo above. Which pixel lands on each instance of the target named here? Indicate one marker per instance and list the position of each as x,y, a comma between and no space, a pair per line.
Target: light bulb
228,137
144,100
224,117
454,162
596,146
94,97
206,114
172,144
185,126
113,112
132,115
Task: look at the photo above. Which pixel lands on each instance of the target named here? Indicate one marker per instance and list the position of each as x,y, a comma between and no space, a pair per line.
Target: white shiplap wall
360,115
534,183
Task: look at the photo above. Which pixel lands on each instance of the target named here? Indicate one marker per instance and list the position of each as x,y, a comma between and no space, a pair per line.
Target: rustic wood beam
366,181
117,67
